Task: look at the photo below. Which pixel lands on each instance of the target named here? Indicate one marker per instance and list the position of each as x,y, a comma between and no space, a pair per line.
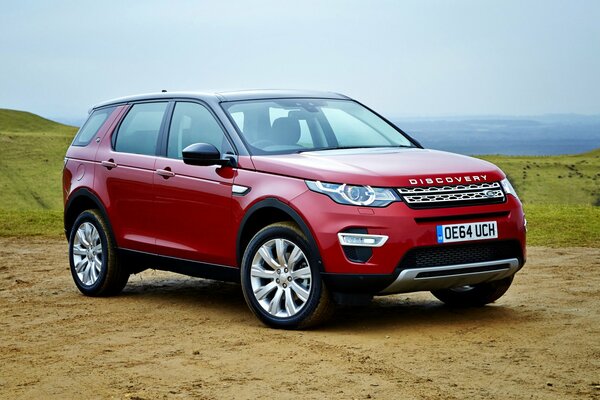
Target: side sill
138,261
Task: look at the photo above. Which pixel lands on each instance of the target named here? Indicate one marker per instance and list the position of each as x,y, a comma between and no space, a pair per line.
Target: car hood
381,167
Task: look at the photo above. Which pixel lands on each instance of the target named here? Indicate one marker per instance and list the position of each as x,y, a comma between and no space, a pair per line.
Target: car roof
220,96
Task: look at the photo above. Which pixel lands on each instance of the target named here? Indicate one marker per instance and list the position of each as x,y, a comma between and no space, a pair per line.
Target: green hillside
26,122
561,194
572,179
32,150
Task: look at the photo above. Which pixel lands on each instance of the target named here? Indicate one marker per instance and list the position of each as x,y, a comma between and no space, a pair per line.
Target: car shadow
186,290
389,312
406,310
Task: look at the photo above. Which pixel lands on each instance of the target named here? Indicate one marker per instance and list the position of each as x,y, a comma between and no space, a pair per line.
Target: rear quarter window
91,127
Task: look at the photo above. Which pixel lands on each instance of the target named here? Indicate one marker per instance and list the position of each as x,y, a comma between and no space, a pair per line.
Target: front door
194,203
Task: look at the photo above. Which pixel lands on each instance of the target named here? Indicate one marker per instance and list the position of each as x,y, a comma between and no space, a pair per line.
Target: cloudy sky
404,58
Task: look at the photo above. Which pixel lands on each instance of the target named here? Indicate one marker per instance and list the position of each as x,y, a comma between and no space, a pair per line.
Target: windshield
284,126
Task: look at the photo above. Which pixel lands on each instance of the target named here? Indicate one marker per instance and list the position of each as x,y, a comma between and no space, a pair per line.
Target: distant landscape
561,193
537,135
552,134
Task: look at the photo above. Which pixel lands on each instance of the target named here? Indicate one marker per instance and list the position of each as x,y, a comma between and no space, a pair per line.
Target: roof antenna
164,91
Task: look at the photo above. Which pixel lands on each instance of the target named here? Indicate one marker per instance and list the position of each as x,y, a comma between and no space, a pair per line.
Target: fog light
361,240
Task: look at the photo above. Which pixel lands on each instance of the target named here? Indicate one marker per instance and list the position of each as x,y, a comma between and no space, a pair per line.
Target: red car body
189,214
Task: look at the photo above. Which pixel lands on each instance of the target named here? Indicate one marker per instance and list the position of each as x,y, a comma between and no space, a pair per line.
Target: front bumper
424,279
449,276
387,270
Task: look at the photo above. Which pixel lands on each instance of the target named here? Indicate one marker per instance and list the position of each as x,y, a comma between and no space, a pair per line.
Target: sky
402,58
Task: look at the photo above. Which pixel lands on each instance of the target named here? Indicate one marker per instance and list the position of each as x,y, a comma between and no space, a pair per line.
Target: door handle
109,164
165,173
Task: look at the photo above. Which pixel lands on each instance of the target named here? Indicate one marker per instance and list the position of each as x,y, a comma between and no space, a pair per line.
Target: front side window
284,126
139,130
194,123
91,127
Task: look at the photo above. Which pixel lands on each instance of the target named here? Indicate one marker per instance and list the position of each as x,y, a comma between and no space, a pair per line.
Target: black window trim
164,135
113,139
410,138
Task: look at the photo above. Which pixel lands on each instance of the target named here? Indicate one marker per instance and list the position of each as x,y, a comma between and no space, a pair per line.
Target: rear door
125,172
194,203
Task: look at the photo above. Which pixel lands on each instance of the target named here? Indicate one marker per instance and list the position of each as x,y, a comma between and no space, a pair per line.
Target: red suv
307,198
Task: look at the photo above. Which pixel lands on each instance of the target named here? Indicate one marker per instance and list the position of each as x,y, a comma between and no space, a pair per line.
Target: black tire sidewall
87,216
283,232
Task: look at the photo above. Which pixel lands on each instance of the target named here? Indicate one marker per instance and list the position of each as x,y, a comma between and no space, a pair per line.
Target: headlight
355,195
508,188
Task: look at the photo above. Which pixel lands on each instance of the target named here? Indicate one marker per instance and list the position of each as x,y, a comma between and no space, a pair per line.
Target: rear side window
139,130
91,127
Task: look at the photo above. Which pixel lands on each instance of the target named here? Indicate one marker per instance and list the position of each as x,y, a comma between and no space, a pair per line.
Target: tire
474,296
93,257
288,296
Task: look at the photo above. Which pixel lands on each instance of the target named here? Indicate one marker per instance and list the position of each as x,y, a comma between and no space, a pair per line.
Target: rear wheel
281,280
474,295
93,257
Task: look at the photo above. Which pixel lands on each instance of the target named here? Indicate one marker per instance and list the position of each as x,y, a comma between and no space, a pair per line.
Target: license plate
466,232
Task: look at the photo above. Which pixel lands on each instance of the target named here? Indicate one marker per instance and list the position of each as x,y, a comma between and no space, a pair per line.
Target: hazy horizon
550,134
404,59
79,120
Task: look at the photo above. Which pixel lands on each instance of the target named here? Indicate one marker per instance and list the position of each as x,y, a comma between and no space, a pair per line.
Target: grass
561,194
571,179
32,150
563,225
18,223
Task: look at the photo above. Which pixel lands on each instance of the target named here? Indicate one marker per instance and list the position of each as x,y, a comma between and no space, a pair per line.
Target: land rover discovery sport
305,198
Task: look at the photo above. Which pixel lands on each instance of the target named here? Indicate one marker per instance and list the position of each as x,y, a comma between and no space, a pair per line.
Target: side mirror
203,154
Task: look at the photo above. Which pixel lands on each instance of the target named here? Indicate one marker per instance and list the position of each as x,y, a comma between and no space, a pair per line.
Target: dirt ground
170,336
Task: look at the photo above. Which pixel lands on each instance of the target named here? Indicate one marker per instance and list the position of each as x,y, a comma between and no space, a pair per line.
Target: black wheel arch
275,210
81,200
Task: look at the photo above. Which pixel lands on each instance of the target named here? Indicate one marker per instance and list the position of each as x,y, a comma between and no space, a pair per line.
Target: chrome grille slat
454,196
454,188
436,196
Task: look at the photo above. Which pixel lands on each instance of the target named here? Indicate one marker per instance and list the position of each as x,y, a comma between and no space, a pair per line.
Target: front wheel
281,280
93,257
474,295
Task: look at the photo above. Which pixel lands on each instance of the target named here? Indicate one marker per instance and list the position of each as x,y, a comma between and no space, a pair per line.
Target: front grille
423,257
452,195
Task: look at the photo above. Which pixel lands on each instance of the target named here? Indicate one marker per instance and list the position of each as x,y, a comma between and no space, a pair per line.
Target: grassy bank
32,150
47,223
563,225
570,179
561,193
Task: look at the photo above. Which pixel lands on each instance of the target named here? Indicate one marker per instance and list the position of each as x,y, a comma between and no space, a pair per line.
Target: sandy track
170,336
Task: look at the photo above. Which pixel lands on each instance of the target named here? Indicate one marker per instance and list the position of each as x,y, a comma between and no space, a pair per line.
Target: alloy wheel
281,278
87,253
